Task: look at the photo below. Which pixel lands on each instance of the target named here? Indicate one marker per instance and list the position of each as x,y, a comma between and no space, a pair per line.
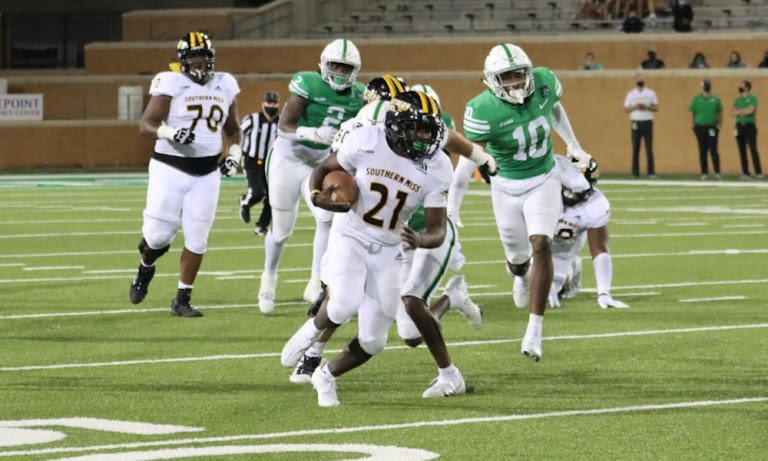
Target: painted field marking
720,298
391,348
398,426
51,268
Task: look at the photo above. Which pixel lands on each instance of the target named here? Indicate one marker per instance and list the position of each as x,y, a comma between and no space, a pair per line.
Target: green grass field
683,374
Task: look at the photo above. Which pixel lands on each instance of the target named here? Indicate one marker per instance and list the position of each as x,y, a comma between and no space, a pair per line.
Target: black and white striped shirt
258,136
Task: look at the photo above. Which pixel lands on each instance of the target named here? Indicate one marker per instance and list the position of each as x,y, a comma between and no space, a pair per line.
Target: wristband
478,155
314,192
235,152
165,132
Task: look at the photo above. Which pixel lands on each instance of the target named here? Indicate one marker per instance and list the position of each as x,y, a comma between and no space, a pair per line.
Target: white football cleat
446,387
531,347
267,292
573,283
521,293
605,301
302,340
474,315
325,385
313,289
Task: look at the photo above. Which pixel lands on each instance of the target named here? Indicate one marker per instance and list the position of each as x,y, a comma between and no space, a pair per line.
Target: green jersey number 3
538,132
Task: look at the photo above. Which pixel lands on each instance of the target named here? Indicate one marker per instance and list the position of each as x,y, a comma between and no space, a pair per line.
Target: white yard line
51,268
397,426
720,298
451,344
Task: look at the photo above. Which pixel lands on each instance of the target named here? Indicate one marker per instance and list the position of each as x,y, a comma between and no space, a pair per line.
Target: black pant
257,190
746,135
642,130
707,136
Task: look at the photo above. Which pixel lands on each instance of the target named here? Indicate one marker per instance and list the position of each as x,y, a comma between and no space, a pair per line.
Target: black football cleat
184,309
140,283
245,210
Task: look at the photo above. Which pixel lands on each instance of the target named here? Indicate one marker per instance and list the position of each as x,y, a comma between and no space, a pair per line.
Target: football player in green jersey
513,119
318,104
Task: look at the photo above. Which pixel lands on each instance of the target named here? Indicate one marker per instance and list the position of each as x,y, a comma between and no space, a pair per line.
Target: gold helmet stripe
394,81
424,102
390,86
433,103
192,39
200,40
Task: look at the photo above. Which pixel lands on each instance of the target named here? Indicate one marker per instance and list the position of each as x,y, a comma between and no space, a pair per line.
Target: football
346,190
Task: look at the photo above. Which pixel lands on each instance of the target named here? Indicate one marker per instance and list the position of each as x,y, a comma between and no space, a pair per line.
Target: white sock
603,272
272,253
325,370
319,245
534,325
316,350
448,372
182,285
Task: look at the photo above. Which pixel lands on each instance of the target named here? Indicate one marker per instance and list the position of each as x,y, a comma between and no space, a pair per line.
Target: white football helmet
426,89
505,58
342,51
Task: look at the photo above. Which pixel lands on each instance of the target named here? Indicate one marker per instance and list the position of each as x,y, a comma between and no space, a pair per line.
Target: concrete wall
593,102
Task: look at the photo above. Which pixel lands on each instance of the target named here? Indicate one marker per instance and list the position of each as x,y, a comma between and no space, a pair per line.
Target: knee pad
158,233
150,255
196,245
409,333
372,346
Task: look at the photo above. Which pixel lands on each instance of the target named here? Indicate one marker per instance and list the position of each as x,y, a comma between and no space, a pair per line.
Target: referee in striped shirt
259,132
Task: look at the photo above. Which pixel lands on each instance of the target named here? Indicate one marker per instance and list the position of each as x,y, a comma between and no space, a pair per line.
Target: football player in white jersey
187,113
422,268
318,104
396,171
585,218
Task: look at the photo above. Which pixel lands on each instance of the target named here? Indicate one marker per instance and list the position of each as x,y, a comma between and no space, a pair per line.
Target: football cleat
474,315
441,387
267,292
531,347
261,231
302,340
313,289
245,210
184,309
303,372
521,292
325,385
573,284
140,283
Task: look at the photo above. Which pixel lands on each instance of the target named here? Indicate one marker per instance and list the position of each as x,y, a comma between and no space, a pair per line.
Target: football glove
605,301
485,162
576,152
320,135
178,135
229,166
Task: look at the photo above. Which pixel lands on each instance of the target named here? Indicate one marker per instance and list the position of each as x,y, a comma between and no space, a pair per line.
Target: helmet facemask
509,73
191,46
339,64
591,172
411,131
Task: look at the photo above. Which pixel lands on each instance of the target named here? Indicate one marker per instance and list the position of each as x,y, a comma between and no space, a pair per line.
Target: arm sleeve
465,168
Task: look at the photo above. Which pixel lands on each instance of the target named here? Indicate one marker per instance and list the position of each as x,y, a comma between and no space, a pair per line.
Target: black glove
184,136
485,172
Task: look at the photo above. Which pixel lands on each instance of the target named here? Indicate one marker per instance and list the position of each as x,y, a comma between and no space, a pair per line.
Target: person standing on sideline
707,112
259,131
187,113
641,103
744,108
